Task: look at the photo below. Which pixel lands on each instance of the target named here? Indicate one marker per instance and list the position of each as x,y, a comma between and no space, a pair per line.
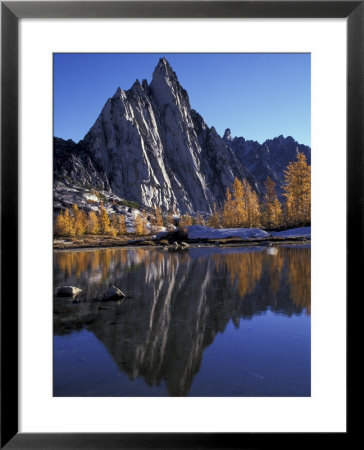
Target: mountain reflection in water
177,302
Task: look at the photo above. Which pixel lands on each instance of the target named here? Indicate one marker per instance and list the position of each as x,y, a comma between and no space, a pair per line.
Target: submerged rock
68,291
113,293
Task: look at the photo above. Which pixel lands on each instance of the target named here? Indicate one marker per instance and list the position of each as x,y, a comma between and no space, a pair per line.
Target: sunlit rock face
176,302
149,146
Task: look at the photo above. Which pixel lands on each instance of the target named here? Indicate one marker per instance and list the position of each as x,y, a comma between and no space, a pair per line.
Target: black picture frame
11,12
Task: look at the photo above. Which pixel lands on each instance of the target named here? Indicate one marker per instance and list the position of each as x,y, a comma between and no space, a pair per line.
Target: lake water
198,322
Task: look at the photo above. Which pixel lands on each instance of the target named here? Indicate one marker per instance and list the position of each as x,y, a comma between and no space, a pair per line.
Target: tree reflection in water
176,301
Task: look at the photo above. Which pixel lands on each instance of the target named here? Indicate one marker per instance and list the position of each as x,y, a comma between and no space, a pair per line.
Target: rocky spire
155,150
163,68
227,135
165,86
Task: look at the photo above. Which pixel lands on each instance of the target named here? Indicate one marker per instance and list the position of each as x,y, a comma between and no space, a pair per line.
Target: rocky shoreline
194,236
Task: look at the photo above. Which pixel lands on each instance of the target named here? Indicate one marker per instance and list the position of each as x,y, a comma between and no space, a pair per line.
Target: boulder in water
113,293
68,291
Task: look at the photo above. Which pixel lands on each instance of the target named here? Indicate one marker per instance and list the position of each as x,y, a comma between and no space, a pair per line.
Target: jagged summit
269,159
282,140
118,92
165,86
164,71
163,67
136,84
149,146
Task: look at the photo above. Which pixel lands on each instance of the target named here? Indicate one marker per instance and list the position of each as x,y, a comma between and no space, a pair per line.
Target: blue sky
257,96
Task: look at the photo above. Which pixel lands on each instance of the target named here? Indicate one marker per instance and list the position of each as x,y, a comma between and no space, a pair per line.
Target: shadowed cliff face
176,302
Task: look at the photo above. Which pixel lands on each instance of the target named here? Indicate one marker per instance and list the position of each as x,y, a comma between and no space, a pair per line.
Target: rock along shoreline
192,236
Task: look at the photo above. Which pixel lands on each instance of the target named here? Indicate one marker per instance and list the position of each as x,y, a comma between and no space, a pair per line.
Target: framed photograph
156,221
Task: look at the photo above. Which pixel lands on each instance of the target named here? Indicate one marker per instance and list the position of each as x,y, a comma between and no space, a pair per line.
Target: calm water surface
198,322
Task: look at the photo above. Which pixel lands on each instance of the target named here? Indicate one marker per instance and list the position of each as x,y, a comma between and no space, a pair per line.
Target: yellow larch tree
118,225
169,221
104,221
158,217
113,231
228,212
253,208
272,215
242,207
68,223
121,225
199,219
79,220
60,226
92,223
114,225
297,191
277,219
185,221
140,224
240,215
145,222
214,220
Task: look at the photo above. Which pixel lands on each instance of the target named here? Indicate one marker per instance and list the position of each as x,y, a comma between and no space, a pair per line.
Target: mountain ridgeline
150,147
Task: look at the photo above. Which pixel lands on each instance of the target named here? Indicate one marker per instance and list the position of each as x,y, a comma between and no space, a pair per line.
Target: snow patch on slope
295,232
203,232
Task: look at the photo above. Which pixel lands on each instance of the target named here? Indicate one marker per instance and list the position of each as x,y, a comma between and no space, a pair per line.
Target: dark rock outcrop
113,293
